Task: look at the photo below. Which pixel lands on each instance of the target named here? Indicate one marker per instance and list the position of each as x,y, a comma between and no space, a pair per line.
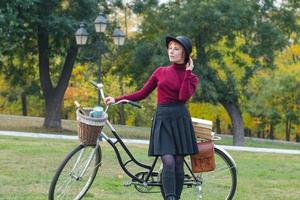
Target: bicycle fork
78,162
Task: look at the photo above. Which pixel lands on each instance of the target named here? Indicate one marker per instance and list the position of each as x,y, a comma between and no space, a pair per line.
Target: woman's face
176,53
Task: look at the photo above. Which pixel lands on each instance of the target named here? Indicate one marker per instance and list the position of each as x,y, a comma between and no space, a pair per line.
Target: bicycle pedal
128,183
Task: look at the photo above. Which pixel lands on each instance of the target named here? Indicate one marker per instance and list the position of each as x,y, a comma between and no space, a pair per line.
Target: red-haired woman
172,134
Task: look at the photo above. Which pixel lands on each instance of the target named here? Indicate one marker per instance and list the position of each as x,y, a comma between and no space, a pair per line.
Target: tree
263,105
233,40
275,97
17,57
45,29
21,77
288,83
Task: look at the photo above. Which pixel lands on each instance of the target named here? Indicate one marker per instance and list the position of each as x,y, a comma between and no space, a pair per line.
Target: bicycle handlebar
133,103
93,83
99,86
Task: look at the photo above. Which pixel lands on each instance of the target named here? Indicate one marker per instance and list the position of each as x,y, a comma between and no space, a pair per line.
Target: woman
172,134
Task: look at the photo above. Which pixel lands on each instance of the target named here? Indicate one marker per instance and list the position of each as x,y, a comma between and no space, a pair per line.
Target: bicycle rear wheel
219,184
76,173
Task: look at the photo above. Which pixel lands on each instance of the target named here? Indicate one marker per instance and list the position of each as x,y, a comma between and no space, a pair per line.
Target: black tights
173,163
173,175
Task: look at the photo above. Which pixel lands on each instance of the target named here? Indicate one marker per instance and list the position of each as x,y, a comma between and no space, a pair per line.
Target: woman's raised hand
190,64
109,100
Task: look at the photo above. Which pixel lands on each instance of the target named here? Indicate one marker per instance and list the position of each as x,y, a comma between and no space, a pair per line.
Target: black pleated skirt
172,131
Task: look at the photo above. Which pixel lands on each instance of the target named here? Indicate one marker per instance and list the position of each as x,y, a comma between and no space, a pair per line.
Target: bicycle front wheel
219,184
76,173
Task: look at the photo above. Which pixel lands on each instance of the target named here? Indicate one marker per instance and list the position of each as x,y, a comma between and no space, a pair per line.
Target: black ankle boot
169,184
171,197
179,183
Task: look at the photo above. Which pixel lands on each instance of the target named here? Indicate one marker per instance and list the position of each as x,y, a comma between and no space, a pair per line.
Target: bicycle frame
122,163
132,158
150,169
86,165
79,169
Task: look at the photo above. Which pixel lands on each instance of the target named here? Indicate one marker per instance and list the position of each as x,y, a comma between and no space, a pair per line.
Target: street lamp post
81,36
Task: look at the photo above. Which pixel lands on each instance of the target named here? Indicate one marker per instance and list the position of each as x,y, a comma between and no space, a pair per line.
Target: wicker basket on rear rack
89,128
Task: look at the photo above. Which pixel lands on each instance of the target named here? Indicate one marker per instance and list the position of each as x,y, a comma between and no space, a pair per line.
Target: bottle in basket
97,112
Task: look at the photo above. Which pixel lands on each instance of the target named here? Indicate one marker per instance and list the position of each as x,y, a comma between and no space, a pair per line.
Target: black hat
184,41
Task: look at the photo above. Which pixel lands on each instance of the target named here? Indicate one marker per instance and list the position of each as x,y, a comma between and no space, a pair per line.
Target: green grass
253,142
69,127
35,124
28,164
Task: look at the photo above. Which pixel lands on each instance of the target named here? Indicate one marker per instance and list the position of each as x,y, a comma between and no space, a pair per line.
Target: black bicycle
76,173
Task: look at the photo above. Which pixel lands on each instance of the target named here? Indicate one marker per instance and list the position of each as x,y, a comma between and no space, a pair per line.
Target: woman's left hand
109,100
190,65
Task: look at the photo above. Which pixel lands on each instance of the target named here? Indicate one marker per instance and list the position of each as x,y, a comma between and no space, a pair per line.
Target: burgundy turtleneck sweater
174,84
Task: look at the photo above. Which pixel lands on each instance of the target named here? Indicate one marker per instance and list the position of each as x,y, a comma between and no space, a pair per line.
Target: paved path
69,137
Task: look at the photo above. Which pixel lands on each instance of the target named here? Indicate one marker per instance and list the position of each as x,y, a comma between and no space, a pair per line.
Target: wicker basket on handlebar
89,128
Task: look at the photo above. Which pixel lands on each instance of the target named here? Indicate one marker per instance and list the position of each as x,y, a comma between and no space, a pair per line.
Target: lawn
34,124
28,164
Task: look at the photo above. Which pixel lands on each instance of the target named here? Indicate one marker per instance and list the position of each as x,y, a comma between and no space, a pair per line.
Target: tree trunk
53,95
248,132
121,115
237,123
272,135
286,130
201,54
288,125
53,113
122,118
218,125
258,134
24,104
